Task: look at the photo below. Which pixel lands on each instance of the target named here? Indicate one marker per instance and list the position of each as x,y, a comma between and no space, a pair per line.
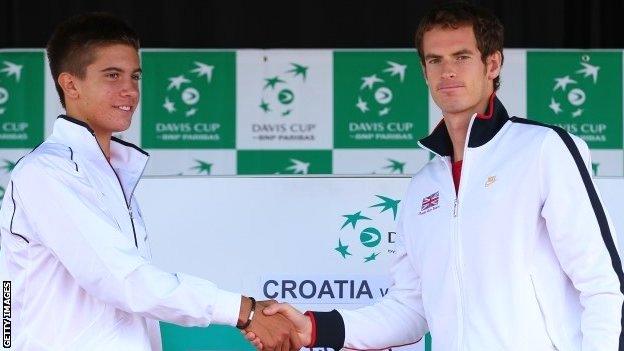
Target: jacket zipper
126,201
458,262
128,205
458,256
456,238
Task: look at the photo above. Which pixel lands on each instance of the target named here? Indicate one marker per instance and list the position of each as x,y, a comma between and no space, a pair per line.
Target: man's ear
494,64
68,83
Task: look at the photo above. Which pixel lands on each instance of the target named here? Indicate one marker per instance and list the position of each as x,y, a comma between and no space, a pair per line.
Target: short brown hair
487,29
72,45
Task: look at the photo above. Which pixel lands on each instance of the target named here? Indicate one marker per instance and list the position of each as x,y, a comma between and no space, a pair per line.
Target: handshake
270,325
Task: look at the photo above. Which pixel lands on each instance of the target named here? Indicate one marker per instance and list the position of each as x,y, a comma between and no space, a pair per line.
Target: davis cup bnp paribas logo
282,95
183,95
376,93
21,99
278,93
579,91
188,99
380,100
363,232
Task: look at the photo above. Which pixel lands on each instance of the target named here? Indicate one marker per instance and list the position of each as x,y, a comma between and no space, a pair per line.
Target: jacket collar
127,160
483,128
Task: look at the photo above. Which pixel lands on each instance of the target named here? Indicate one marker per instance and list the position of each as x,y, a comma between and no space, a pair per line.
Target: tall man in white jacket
505,241
73,237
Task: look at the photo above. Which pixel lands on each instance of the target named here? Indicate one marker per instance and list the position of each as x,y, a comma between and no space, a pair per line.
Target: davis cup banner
322,111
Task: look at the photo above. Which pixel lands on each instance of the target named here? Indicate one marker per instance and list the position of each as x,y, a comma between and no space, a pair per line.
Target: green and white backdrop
229,112
359,112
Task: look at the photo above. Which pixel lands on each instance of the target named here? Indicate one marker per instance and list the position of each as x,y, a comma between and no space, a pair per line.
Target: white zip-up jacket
522,258
76,249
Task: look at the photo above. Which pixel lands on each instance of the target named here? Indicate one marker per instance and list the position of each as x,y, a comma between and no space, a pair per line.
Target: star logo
191,112
362,105
298,167
202,167
555,106
589,70
370,81
8,166
387,204
176,82
376,93
577,113
396,69
12,69
299,70
343,249
183,95
272,82
395,166
279,91
370,237
569,94
264,106
169,106
563,82
353,219
372,257
203,70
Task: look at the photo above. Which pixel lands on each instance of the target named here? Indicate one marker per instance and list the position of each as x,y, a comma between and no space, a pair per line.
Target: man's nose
448,70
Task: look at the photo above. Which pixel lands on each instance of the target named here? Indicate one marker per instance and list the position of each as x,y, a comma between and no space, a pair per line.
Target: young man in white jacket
73,237
505,241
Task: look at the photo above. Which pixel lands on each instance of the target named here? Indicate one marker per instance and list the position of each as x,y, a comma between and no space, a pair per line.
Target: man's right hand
301,322
275,330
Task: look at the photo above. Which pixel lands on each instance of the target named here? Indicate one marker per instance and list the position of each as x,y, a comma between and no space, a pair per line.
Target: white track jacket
76,249
522,258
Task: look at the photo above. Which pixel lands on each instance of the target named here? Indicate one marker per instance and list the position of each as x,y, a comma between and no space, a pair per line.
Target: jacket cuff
226,308
330,329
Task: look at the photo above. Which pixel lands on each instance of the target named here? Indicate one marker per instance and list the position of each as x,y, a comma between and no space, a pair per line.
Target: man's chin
121,126
452,105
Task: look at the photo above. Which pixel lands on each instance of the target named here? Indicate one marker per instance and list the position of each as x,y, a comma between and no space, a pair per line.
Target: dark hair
487,29
72,45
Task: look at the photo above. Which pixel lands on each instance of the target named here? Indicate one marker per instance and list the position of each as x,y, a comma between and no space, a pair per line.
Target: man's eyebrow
456,53
430,56
117,69
112,69
463,52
